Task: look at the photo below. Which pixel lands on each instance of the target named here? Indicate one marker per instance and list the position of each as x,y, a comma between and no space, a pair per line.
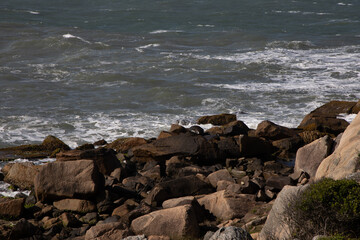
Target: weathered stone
345,160
76,205
254,147
222,174
272,131
173,222
175,202
310,136
223,184
124,209
180,187
276,225
69,220
153,173
71,179
86,146
226,233
309,157
90,218
220,119
228,148
48,146
291,144
185,144
278,182
125,144
105,159
138,183
22,175
176,128
23,229
227,205
106,231
11,208
325,118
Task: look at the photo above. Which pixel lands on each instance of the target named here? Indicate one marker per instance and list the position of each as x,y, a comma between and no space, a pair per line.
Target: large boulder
277,222
22,175
226,205
345,160
179,187
125,144
227,233
184,144
325,118
272,131
254,147
174,222
71,179
220,119
11,208
105,159
230,129
43,150
309,157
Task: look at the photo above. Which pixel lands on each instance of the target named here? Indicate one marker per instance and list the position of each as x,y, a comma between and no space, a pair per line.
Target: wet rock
220,119
123,145
227,205
180,187
174,222
71,179
75,205
86,146
230,129
309,157
105,159
11,208
22,175
325,118
226,233
272,131
48,146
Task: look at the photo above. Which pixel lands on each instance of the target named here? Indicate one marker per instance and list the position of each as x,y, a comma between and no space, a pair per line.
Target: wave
160,31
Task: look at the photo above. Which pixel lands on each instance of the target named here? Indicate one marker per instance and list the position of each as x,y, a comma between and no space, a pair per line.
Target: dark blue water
86,70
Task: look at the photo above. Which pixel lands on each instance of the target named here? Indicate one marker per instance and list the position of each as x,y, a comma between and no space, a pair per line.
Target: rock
356,108
230,129
22,175
174,222
123,145
90,218
24,229
176,128
220,119
276,225
219,175
227,205
153,173
138,237
325,118
106,231
278,182
185,144
228,233
105,159
291,144
228,148
254,147
231,186
138,183
48,146
69,220
175,202
345,159
179,187
86,146
11,208
139,211
309,157
71,179
336,142
124,209
310,136
101,142
197,130
247,186
75,205
272,131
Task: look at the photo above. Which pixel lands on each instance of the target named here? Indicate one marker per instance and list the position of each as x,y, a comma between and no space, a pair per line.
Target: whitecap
140,49
160,31
34,12
68,36
347,117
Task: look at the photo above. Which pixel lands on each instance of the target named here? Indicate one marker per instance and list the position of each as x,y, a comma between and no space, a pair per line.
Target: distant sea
87,70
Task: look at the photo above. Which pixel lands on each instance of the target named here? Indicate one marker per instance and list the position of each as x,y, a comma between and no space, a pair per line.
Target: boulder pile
188,183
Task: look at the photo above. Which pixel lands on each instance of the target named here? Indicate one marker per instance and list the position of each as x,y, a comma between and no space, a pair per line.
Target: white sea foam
160,31
68,36
34,12
141,48
347,117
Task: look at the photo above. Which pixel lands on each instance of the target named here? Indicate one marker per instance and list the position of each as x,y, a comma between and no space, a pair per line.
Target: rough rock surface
71,179
227,233
272,131
12,208
276,225
173,222
227,205
345,160
106,231
22,175
220,119
309,157
75,205
219,175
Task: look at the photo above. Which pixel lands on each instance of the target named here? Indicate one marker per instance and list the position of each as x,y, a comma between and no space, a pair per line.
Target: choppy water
89,69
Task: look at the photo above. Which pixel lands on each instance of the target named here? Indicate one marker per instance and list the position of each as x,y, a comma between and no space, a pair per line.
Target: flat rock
227,205
12,208
174,222
75,205
125,144
71,179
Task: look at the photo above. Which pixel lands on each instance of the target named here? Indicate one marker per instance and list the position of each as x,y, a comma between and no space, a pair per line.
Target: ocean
87,70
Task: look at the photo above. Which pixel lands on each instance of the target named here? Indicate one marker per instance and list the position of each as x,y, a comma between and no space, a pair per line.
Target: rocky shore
228,182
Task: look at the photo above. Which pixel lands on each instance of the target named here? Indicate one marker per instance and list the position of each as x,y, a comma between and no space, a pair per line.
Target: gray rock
138,237
230,233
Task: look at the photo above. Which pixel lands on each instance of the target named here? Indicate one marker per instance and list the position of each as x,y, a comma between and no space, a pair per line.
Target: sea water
87,70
